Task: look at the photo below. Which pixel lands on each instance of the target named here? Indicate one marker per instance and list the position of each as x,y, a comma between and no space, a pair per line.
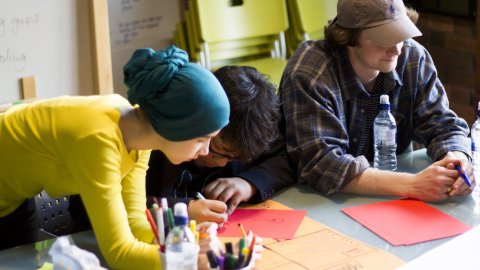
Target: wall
47,39
139,24
452,43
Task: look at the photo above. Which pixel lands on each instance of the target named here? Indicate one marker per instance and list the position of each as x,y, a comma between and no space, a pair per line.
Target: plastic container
385,137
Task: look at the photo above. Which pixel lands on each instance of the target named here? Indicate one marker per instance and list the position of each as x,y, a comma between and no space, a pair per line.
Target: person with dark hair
330,91
247,161
98,147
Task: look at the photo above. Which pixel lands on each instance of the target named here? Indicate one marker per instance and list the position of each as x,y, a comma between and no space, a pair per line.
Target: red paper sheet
267,223
407,221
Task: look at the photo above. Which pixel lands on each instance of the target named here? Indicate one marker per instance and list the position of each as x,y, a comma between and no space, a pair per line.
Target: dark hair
254,111
342,36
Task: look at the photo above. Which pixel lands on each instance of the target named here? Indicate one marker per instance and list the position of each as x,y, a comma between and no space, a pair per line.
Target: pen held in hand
199,196
464,177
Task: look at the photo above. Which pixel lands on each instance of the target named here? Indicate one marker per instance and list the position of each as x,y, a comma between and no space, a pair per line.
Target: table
324,209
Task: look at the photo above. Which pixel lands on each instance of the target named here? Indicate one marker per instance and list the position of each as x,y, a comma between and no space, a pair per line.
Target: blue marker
465,178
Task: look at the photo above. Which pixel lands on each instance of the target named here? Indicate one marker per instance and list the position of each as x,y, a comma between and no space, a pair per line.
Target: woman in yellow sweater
98,147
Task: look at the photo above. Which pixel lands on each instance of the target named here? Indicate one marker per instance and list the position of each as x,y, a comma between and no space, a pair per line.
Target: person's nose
395,49
204,150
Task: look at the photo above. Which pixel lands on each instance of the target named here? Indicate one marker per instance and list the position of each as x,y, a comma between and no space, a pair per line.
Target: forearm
380,182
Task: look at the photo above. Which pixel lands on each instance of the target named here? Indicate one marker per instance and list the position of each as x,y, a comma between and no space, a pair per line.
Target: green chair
224,33
308,19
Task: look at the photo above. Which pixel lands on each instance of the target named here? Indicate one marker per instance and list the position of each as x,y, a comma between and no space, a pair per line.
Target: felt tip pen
212,259
199,196
465,178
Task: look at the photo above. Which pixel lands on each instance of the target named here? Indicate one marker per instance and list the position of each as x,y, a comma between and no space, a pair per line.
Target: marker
171,221
199,196
160,228
212,259
465,178
193,228
152,224
229,248
241,245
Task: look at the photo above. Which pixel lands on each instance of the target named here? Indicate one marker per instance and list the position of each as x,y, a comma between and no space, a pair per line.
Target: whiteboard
47,39
139,24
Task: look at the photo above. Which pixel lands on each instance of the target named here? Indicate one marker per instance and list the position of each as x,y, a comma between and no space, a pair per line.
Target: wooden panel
102,56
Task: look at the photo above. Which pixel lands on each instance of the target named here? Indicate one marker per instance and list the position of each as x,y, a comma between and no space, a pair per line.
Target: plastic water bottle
475,136
385,137
181,250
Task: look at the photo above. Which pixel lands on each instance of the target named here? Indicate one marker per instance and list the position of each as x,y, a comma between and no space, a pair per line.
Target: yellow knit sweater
72,145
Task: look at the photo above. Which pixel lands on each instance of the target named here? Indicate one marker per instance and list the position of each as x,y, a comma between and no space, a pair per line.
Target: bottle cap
384,99
180,209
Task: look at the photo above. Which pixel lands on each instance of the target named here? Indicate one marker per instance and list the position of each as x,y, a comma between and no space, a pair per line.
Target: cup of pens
176,236
240,257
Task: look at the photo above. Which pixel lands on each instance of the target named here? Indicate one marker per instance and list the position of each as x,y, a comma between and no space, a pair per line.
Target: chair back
308,19
238,32
53,214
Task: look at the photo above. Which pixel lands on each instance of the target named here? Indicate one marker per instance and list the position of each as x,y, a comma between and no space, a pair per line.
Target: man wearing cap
330,91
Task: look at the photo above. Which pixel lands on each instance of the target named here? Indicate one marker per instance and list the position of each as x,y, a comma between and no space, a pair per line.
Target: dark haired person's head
254,116
386,22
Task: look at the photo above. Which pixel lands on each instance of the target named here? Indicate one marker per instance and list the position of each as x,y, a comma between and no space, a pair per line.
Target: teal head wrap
182,100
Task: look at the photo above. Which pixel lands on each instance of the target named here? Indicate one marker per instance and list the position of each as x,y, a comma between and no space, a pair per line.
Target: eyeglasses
218,155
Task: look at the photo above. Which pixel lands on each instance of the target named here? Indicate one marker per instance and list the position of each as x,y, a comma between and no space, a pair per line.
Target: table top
324,209
327,209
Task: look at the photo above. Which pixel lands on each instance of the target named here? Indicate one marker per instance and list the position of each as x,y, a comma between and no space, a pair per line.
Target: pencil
243,230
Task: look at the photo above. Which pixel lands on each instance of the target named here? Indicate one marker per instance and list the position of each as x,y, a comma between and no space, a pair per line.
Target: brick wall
452,43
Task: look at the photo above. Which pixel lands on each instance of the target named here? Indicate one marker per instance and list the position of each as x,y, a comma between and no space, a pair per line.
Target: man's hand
460,187
208,210
232,191
439,181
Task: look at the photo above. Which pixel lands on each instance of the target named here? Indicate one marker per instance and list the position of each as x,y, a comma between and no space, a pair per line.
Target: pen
212,259
465,178
199,196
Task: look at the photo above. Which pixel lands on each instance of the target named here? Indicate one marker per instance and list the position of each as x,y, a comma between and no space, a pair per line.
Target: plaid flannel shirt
324,105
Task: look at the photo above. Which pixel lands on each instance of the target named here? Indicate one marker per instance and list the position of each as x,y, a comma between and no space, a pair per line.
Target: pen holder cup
248,267
162,260
163,257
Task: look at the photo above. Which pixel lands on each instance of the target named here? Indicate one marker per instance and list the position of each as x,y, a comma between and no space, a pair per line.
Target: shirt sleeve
270,173
96,163
437,126
317,140
134,197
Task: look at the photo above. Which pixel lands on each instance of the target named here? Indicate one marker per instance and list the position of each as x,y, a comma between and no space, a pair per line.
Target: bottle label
386,136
